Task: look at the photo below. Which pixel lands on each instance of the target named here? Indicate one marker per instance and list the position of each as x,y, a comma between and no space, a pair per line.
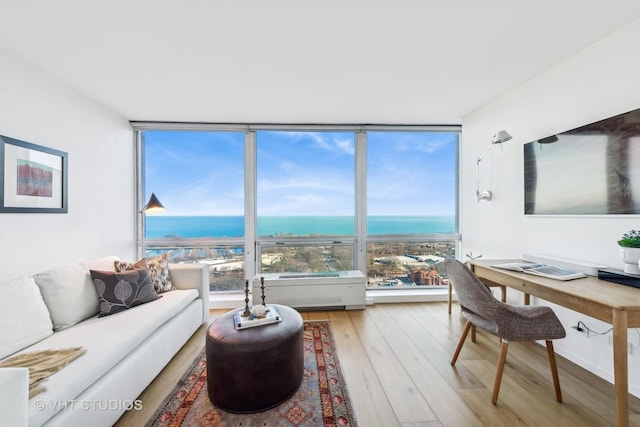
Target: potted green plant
630,251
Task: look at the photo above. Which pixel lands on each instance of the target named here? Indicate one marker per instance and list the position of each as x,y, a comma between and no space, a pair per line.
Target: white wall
36,108
597,83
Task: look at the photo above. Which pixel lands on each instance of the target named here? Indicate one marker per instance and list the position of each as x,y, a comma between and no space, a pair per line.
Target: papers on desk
543,270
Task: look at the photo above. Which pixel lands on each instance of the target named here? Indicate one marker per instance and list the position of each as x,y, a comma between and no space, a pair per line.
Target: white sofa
124,351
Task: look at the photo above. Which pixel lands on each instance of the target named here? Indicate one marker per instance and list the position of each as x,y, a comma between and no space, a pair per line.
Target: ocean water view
233,226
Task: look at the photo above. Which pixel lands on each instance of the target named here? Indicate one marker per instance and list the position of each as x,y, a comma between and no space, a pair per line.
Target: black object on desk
619,276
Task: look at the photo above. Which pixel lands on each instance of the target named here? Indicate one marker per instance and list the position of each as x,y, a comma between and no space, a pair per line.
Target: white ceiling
298,61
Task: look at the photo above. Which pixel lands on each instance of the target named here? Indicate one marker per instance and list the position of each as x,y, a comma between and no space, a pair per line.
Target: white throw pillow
106,263
24,318
69,294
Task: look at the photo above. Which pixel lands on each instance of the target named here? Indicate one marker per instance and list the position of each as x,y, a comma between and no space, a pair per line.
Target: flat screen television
590,170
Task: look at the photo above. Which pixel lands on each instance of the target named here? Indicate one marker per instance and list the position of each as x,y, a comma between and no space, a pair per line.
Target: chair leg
504,345
554,370
473,333
465,331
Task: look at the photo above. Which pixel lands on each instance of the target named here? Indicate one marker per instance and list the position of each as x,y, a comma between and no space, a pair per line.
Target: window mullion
361,201
250,199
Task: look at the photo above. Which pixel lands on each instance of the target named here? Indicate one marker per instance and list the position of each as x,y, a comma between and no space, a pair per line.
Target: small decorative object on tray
246,312
259,310
260,315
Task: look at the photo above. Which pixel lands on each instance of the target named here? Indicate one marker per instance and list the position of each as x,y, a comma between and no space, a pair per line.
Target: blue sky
301,173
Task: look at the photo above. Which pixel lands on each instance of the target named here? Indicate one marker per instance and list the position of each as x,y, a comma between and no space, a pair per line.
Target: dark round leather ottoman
254,369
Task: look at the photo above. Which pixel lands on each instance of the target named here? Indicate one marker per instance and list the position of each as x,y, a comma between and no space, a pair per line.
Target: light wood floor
396,359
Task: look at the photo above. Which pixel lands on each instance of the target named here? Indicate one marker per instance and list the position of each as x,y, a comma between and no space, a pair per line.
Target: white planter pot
631,259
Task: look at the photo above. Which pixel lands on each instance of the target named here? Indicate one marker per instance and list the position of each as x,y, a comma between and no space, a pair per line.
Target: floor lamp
152,206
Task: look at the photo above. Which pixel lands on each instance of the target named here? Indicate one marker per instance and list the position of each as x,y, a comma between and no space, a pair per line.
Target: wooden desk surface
616,304
590,295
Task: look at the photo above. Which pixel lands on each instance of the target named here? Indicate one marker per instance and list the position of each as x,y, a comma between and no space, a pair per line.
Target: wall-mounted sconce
498,138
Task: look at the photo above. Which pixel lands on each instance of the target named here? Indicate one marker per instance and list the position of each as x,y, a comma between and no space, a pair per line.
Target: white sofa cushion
69,294
106,263
24,318
108,340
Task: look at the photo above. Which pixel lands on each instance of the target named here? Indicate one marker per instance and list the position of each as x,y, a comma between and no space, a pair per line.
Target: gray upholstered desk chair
507,322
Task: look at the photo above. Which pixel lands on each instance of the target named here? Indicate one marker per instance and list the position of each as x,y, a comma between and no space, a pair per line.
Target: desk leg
620,367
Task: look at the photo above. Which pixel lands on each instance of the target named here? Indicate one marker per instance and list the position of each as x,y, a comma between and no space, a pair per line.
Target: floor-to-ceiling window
198,175
251,199
305,200
411,206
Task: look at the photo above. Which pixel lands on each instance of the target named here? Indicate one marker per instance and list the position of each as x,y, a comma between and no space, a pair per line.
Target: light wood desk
616,304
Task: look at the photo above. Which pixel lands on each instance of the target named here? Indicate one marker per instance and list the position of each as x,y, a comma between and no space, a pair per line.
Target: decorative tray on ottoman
270,316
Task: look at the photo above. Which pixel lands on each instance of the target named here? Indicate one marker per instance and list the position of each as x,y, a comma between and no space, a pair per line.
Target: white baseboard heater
334,289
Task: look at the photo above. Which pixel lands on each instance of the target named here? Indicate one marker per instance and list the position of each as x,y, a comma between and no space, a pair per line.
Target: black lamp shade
153,205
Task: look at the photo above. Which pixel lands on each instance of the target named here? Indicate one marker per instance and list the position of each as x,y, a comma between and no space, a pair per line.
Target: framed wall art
590,170
33,178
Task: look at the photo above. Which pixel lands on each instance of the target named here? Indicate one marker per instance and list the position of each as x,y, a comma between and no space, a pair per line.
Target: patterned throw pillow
121,291
158,270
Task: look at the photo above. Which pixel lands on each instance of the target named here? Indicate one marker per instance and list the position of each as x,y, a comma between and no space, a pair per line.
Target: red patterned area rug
322,399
